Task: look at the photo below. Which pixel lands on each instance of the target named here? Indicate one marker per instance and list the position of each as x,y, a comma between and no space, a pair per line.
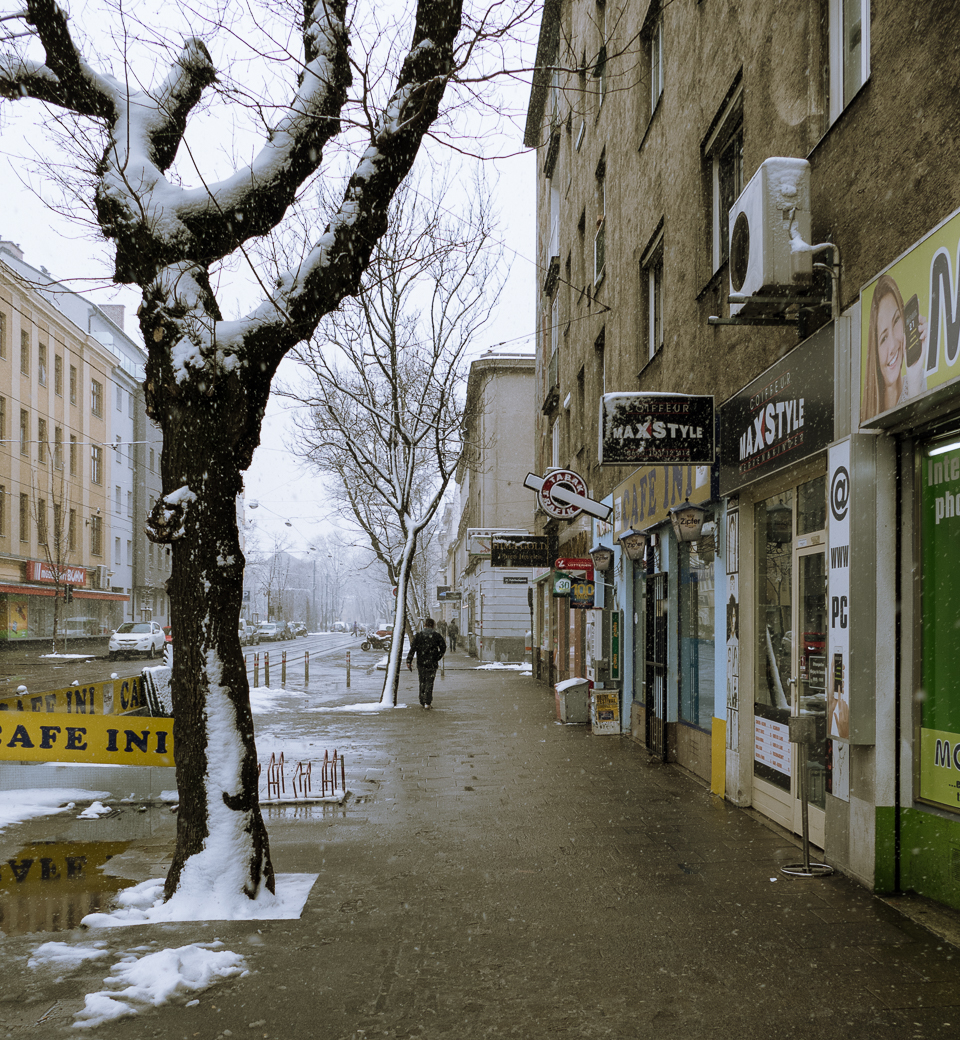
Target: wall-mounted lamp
602,557
634,543
687,521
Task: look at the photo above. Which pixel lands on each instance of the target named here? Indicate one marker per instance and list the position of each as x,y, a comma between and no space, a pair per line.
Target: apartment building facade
76,479
491,602
826,513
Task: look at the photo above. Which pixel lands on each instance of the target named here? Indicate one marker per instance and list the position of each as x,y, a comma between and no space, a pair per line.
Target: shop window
812,505
939,710
697,667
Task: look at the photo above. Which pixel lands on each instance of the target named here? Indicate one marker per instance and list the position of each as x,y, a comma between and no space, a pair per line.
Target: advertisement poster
17,617
940,582
838,637
910,333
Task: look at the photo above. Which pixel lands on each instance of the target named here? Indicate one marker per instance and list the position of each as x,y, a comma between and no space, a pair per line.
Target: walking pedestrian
442,629
453,630
428,647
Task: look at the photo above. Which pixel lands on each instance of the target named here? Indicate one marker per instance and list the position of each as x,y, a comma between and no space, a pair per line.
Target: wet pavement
497,874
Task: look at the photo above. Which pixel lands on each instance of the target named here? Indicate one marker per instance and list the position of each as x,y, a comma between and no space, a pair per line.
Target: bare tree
207,378
386,411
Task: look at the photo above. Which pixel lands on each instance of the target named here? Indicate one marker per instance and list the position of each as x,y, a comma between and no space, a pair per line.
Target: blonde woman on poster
896,345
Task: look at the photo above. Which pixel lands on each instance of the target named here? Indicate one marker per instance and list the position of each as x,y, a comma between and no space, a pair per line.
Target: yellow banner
113,697
940,767
135,740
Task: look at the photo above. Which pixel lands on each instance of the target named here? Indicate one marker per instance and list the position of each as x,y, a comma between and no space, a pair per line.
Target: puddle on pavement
49,886
304,811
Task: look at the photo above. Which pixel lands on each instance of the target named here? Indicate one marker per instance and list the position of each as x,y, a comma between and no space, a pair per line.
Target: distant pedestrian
428,647
442,628
453,630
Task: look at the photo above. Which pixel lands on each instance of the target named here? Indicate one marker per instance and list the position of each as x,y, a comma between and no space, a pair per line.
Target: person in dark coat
428,647
453,630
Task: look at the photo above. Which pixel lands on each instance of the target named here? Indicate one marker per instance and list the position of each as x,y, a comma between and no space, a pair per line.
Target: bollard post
283,668
306,668
348,669
266,668
256,669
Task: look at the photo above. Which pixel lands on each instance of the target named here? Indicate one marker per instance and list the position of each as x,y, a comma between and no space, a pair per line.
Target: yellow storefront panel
113,697
134,740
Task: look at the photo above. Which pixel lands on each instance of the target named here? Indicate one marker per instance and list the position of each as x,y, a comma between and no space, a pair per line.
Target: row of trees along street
334,130
385,403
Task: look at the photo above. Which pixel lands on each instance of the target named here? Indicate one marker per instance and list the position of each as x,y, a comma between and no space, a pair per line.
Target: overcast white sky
275,480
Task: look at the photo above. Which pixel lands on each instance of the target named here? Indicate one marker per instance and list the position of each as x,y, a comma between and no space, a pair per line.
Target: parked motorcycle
375,642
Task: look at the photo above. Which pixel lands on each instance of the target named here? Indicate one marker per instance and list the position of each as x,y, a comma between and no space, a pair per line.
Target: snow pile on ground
69,657
156,978
94,811
264,699
65,957
366,706
500,665
17,806
143,903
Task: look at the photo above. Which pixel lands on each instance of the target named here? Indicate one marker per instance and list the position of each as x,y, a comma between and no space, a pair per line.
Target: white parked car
269,631
137,637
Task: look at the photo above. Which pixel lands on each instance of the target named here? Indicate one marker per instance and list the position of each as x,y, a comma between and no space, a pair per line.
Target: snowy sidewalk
499,874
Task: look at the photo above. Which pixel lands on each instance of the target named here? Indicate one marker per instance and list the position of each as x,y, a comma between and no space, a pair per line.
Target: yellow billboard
910,325
113,697
134,740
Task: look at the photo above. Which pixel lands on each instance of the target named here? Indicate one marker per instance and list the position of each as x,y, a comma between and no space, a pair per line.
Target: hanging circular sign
560,480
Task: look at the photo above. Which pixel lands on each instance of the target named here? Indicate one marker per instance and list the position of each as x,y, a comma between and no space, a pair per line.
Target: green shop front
910,396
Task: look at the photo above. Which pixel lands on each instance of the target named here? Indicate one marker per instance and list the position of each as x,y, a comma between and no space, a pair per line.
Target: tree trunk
391,681
220,830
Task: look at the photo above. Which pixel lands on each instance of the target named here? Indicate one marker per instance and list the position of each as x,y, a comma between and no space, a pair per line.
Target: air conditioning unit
769,218
99,577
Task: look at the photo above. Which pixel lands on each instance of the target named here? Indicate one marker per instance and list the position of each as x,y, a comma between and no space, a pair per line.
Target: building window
555,444
117,500
3,511
600,68
3,418
130,503
24,352
24,518
723,163
72,531
129,553
41,440
151,460
42,364
3,335
119,398
96,397
651,290
58,375
73,455
41,521
653,37
849,47
73,384
58,447
600,239
57,526
24,432
96,536
116,552
96,464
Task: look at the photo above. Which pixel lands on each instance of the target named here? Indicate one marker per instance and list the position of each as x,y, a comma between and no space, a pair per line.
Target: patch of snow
368,706
67,657
500,666
17,806
156,978
143,904
94,811
65,957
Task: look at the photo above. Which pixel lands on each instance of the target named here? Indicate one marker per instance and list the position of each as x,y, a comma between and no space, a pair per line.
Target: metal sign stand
803,733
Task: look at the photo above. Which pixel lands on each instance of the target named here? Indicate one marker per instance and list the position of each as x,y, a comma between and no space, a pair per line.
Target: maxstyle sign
656,429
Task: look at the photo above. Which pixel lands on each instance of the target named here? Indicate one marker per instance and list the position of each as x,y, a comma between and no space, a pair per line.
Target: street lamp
687,521
602,556
634,543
